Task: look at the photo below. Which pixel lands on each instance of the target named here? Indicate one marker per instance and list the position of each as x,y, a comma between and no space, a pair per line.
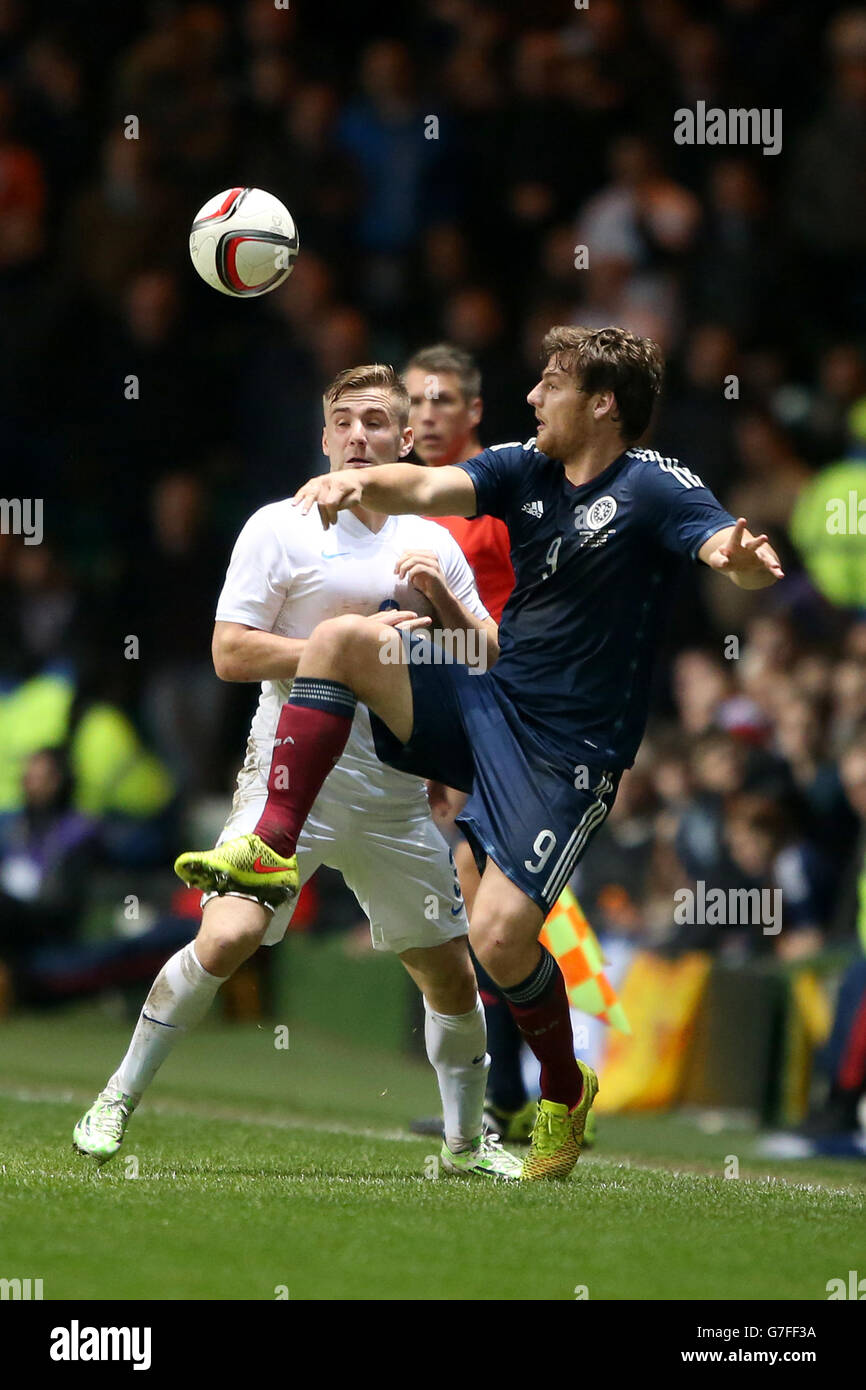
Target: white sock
179,998
457,1049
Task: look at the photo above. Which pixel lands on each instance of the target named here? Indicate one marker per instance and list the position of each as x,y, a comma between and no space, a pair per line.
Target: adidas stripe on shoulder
513,444
667,465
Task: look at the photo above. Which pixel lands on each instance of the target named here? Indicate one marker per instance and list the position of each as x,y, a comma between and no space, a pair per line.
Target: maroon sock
539,1006
312,732
852,1068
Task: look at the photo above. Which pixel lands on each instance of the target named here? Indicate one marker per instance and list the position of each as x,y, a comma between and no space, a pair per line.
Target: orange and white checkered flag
572,941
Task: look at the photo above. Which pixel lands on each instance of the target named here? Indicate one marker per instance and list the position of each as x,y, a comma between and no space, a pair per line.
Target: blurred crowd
752,778
446,161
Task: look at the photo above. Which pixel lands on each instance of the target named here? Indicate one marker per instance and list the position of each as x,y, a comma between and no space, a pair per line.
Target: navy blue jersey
594,569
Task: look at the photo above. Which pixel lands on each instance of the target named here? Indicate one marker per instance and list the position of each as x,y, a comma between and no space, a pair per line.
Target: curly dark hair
611,359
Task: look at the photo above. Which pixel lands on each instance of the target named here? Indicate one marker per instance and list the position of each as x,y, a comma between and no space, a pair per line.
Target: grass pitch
252,1171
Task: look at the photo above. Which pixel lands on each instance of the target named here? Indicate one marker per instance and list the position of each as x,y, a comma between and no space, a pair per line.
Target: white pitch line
45,1095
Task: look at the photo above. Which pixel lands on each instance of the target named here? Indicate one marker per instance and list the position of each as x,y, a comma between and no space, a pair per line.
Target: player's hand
752,562
422,568
331,493
403,618
437,797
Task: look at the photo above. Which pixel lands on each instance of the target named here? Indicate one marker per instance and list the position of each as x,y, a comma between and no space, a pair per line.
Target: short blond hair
375,374
611,359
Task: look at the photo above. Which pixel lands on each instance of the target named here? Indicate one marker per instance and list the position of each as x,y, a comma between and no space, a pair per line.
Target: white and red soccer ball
244,242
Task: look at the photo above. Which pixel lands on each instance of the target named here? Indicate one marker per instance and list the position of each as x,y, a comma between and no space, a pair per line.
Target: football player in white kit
372,823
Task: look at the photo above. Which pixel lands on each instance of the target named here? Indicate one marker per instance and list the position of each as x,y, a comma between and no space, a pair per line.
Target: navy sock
505,1088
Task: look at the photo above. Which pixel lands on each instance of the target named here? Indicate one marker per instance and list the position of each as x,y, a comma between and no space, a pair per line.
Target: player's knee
458,992
496,948
455,996
341,643
228,942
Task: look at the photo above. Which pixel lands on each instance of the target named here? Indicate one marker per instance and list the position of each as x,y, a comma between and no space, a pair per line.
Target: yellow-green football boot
557,1135
512,1126
243,865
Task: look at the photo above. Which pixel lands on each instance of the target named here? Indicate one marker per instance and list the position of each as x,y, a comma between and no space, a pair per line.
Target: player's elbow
225,667
227,658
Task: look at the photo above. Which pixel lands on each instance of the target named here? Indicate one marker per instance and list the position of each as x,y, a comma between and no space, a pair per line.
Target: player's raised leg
182,993
504,930
341,664
456,1041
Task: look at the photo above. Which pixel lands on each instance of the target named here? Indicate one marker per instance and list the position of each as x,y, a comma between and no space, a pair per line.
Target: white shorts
400,870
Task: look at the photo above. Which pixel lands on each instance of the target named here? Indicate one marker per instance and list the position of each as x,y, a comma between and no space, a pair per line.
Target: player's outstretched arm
242,653
396,489
750,561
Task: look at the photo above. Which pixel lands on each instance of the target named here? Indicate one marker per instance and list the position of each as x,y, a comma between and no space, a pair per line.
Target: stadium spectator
116,779
47,853
843,1059
407,179
827,201
734,279
46,850
181,700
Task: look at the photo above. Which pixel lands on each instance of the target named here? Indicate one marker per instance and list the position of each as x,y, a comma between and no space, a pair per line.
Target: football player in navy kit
599,530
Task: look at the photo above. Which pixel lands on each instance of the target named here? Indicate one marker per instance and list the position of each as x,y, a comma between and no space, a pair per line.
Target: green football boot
99,1133
486,1159
512,1126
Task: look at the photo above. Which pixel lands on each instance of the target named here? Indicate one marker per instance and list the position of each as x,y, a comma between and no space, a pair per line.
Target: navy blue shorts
530,816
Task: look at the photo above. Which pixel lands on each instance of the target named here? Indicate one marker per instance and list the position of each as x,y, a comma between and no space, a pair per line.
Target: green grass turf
259,1167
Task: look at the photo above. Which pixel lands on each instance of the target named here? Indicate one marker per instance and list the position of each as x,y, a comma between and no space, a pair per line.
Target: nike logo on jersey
336,555
535,509
261,868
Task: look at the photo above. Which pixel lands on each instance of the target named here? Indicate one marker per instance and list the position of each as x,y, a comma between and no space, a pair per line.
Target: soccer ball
244,242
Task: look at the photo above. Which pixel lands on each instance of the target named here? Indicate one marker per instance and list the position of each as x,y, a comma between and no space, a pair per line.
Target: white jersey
287,574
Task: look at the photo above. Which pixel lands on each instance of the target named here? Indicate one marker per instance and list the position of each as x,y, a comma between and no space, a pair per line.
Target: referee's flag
569,937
